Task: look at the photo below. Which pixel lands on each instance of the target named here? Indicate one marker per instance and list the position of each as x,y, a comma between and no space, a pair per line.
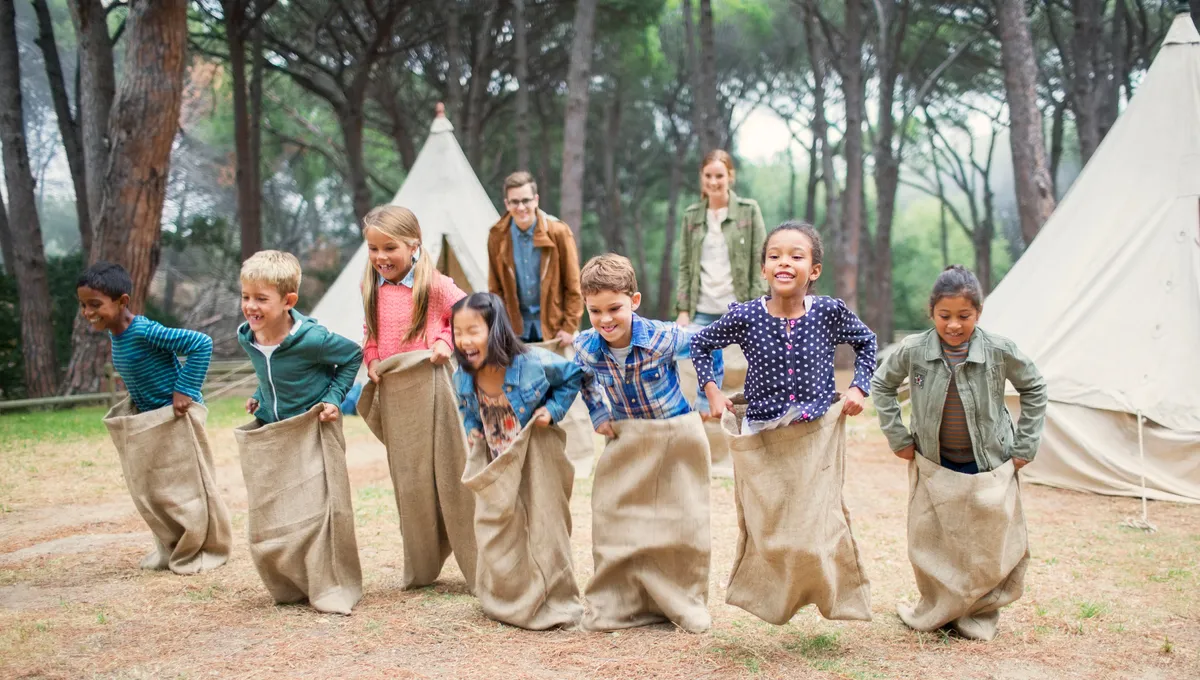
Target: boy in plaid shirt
628,362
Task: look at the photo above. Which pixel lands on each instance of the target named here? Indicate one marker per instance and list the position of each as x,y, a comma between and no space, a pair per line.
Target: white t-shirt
716,274
621,353
268,350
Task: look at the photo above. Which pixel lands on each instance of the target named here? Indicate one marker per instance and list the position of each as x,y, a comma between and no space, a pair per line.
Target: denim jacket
991,360
534,379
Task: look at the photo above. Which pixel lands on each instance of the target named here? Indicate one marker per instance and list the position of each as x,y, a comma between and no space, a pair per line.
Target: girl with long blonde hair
406,301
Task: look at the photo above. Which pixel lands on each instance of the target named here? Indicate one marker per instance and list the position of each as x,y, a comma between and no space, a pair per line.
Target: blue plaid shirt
647,386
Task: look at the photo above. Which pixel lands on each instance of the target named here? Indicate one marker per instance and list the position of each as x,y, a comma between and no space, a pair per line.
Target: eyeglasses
520,202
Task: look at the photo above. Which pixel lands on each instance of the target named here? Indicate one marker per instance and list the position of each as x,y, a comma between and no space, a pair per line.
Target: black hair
818,250
957,281
108,278
503,345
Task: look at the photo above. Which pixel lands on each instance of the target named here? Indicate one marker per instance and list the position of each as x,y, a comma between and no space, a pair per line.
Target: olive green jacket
744,232
991,360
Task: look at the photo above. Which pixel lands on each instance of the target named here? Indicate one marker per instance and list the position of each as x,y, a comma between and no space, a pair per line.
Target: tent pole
1144,523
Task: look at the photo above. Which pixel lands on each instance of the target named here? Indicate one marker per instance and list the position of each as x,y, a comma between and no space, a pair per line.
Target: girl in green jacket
956,374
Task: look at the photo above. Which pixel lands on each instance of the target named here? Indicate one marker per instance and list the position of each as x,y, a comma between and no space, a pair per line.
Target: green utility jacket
744,232
991,360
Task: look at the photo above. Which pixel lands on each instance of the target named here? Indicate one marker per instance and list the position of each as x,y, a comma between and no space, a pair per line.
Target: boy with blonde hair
300,520
650,521
298,361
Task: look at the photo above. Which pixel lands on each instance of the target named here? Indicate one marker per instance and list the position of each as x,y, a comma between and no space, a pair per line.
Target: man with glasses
533,265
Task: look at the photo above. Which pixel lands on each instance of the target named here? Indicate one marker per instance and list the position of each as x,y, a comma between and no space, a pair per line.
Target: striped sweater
954,437
146,356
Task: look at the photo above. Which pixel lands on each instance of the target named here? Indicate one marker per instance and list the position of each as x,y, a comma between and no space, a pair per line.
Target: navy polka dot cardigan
790,360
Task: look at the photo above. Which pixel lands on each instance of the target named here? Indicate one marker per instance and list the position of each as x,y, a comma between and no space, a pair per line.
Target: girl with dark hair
954,358
502,384
789,337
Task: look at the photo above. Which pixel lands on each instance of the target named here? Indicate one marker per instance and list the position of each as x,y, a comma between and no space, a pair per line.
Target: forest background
178,137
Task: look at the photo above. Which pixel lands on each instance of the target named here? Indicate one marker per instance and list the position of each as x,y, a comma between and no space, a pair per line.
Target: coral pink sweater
394,305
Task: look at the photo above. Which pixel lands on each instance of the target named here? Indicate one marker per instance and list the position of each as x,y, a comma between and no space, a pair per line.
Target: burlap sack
968,547
650,527
524,575
414,412
168,468
735,378
581,439
795,547
300,519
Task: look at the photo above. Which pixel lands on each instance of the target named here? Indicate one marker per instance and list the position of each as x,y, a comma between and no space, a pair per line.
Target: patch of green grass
1167,646
86,464
227,412
65,425
1090,610
1171,574
204,594
1040,610
812,646
102,618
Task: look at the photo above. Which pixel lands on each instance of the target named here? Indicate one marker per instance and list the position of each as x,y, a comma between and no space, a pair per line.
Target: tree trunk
29,256
257,66
820,127
710,135
1056,144
454,62
351,121
1034,186
814,178
545,200
145,117
6,244
575,118
791,160
95,98
692,67
68,126
613,227
846,285
666,272
1084,91
246,178
520,31
480,79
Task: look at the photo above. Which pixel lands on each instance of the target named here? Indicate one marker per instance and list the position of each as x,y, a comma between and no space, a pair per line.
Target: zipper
271,382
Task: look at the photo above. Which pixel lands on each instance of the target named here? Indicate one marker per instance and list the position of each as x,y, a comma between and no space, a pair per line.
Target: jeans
700,320
971,468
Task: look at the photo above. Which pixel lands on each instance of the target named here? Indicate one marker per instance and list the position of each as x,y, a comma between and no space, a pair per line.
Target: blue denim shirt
534,379
526,259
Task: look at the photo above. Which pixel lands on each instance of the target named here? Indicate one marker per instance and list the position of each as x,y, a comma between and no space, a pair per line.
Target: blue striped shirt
146,356
646,386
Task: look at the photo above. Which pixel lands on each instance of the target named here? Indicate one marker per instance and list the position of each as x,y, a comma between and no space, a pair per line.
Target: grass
1091,610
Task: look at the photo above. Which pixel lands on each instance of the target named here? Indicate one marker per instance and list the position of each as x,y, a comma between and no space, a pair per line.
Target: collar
640,332
808,303
540,228
732,202
976,354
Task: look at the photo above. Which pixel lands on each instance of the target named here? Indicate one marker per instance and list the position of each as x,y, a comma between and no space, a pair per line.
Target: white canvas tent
455,214
1106,300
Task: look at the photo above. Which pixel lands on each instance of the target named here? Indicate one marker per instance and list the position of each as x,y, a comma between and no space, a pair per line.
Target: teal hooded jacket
311,366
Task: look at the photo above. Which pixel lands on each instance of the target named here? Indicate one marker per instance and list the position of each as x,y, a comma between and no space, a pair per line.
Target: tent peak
440,122
1183,31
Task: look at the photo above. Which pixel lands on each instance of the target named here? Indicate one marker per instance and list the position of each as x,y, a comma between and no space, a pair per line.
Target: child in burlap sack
956,374
650,519
510,394
300,520
502,383
790,442
159,429
409,403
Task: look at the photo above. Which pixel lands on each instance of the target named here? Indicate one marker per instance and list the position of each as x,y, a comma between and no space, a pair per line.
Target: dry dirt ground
1101,601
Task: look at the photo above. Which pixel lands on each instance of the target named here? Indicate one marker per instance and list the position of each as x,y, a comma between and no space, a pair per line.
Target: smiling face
611,314
265,308
391,258
522,202
99,310
788,267
471,337
955,319
715,180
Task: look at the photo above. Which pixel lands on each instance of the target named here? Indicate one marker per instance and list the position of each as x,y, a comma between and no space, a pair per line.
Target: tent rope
1133,522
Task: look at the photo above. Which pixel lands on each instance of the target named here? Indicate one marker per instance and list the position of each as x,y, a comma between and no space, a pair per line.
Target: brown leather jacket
562,303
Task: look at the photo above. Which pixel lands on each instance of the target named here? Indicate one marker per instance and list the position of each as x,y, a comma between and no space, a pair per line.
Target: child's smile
611,314
788,266
99,310
471,336
391,258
